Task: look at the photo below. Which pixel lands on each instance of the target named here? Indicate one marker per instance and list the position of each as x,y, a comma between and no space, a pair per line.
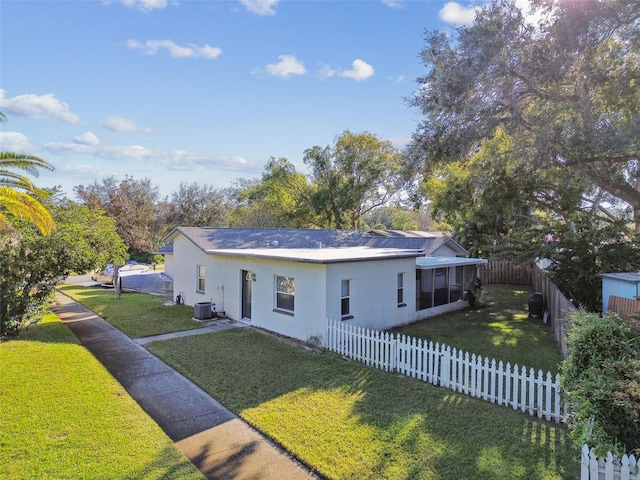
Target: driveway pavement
219,443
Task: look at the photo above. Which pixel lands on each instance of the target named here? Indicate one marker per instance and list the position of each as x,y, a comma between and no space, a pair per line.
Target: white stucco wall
186,257
168,265
373,292
308,318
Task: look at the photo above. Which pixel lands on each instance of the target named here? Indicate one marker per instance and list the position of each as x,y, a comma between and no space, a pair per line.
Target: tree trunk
116,281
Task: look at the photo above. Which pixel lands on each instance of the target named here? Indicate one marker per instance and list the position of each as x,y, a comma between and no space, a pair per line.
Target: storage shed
623,285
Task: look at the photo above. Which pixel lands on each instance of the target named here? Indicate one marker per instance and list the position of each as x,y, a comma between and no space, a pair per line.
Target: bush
475,295
600,378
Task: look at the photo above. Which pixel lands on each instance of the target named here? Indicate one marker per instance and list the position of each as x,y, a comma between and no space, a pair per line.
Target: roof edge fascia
173,233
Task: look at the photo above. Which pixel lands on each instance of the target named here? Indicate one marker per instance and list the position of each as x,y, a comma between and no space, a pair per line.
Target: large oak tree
565,93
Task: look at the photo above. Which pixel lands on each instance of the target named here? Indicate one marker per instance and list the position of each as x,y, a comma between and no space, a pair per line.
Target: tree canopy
278,199
359,173
132,204
32,264
194,204
556,104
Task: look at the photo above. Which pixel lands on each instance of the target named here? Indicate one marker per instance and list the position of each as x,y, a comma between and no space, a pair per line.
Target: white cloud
83,172
151,47
182,160
326,71
393,3
87,138
77,148
260,7
532,17
400,143
457,14
145,5
126,152
361,71
120,124
288,65
15,142
175,160
38,106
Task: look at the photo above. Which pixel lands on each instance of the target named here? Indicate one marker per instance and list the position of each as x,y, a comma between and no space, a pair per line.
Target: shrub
600,378
475,295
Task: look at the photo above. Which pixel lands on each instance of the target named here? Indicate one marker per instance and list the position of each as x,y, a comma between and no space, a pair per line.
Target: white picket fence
536,394
609,467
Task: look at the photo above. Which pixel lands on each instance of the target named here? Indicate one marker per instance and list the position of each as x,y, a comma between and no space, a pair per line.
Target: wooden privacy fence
609,467
624,308
556,306
504,273
536,394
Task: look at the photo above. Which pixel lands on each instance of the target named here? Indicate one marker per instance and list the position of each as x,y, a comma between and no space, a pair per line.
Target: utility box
535,305
202,310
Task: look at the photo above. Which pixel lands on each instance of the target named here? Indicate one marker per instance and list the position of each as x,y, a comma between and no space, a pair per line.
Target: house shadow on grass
366,423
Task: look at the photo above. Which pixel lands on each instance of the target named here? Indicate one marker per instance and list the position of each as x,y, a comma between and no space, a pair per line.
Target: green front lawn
62,415
352,422
501,330
136,314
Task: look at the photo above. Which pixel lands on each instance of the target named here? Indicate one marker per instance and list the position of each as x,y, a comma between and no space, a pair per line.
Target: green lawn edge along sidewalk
65,417
137,315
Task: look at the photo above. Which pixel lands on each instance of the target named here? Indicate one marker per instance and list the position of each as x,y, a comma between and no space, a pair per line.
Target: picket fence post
445,367
584,462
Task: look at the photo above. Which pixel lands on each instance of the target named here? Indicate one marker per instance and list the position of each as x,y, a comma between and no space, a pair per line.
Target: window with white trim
200,278
400,290
285,293
345,300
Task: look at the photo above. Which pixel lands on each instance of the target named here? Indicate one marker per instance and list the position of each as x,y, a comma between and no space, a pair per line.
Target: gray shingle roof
214,238
630,277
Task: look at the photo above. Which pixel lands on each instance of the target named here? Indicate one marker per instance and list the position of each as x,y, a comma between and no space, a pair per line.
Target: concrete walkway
220,444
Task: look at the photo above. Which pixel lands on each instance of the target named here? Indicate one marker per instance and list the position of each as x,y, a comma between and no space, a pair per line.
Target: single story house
290,281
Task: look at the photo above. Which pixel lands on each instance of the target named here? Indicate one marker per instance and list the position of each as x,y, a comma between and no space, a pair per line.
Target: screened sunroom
444,280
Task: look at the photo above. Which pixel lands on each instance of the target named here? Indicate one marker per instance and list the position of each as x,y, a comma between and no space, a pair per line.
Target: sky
206,91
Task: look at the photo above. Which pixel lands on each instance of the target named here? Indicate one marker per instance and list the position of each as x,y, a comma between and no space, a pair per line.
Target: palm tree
18,196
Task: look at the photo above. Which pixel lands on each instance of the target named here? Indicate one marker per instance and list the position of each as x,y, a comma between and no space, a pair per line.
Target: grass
352,422
64,416
136,314
501,330
349,421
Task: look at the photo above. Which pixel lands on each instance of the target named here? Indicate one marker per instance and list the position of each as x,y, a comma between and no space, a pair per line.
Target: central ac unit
202,311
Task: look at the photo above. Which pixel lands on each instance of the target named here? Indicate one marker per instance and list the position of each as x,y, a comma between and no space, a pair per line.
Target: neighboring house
290,281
